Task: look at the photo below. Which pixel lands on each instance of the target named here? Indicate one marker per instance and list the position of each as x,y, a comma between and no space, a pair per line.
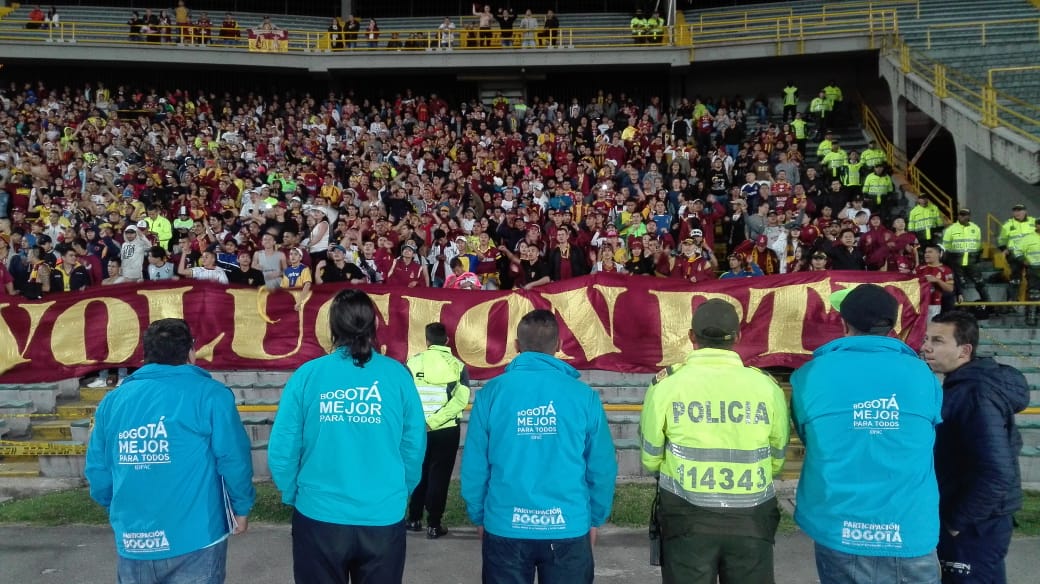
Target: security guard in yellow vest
963,243
715,432
872,155
1030,245
1014,229
800,135
655,28
638,27
877,191
851,174
443,385
790,100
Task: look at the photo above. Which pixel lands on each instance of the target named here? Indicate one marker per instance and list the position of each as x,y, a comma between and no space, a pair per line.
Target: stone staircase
69,408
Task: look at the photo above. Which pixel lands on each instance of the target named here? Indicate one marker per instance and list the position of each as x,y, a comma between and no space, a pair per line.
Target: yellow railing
975,94
714,30
876,23
919,182
984,26
871,5
321,41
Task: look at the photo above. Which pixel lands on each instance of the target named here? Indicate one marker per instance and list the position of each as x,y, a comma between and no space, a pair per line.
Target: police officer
878,189
715,431
963,243
1014,229
1030,245
638,26
790,100
443,385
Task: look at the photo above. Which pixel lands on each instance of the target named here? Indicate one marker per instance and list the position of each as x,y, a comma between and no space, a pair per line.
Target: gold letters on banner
10,355
122,332
608,317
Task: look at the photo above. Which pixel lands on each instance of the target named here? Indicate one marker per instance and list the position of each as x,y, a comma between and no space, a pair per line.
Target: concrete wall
992,189
1020,155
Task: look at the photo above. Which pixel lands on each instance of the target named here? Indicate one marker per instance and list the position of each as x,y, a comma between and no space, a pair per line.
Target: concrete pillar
961,164
346,7
899,123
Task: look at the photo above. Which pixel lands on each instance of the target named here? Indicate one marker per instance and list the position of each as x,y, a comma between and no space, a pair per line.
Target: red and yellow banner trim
611,322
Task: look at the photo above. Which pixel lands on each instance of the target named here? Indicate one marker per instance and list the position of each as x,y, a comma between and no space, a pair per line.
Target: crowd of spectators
107,186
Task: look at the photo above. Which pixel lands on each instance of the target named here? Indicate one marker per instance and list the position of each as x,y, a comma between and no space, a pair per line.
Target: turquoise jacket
539,459
163,445
348,442
866,408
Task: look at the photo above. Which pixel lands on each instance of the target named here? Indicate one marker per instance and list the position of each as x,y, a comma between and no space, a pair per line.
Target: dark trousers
967,273
432,492
328,553
1015,264
695,552
976,555
516,561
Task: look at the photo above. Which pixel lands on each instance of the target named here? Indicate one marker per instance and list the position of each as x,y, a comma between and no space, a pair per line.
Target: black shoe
413,525
435,532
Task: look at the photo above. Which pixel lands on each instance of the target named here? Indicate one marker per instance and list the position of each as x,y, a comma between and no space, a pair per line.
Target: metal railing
876,23
975,94
873,21
984,27
871,5
900,162
291,40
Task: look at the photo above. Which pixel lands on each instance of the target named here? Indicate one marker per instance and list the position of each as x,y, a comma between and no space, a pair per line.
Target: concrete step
19,469
75,410
77,430
17,425
94,394
43,396
250,393
1023,363
1029,463
61,466
51,430
1004,333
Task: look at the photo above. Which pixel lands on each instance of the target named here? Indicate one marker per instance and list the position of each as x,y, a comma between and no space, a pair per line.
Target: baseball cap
762,240
688,240
338,248
867,308
142,224
964,211
1019,207
696,233
716,320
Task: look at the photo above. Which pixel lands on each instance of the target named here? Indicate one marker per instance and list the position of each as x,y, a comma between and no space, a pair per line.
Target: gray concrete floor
85,555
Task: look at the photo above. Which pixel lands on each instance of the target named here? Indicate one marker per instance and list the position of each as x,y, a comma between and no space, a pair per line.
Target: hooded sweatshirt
977,445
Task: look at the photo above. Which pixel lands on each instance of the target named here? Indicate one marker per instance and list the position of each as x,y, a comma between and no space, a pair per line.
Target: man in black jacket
976,451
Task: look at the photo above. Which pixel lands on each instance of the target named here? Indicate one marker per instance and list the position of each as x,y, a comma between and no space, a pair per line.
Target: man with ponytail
346,450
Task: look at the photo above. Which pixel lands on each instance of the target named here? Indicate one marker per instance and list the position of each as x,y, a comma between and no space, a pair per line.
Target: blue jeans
515,561
205,566
836,567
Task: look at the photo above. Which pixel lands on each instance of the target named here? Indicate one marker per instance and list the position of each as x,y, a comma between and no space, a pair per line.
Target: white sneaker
98,383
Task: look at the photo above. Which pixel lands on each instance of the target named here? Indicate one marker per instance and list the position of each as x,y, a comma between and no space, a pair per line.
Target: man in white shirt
207,272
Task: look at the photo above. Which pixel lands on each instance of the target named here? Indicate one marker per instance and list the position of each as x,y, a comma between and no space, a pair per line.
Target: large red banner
610,322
